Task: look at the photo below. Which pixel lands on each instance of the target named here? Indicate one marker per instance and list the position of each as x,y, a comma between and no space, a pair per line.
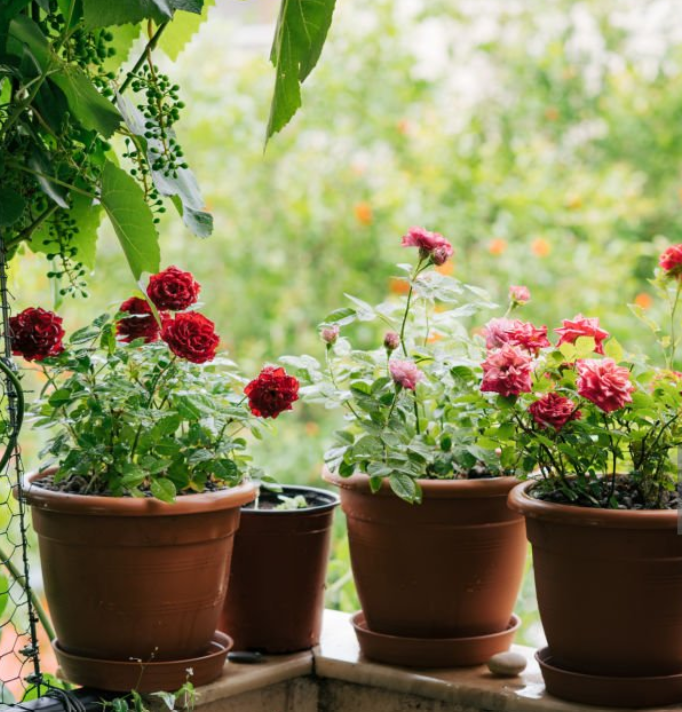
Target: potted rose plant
598,430
144,474
437,556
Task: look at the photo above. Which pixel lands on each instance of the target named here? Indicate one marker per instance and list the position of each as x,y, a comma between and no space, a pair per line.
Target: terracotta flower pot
449,567
277,578
609,586
135,578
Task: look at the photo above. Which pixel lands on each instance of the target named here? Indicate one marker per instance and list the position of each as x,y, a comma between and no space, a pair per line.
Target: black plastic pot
275,595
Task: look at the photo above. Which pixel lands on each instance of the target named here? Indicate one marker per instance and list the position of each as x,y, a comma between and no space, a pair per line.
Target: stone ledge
335,678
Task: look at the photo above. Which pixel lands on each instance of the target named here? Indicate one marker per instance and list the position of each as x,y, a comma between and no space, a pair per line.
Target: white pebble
507,664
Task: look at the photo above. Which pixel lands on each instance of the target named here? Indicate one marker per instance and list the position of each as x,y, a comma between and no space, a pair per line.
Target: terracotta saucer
432,652
608,691
126,675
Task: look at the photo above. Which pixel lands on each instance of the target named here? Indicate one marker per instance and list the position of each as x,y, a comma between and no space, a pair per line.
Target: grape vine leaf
178,34
195,6
133,222
104,13
91,109
300,34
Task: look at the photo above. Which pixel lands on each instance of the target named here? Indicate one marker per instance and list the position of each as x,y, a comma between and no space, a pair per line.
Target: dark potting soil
79,485
626,495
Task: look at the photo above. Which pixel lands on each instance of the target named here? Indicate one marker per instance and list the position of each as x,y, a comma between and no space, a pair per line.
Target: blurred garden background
542,138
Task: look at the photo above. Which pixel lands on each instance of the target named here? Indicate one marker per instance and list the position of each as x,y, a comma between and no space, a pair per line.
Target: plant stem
153,41
673,337
19,578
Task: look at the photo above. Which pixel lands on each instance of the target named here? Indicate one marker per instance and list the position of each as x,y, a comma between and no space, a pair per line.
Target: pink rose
430,244
553,410
405,373
507,371
527,336
580,325
604,383
496,332
519,294
671,261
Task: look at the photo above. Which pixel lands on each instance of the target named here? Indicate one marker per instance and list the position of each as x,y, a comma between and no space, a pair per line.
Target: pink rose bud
519,294
391,341
331,334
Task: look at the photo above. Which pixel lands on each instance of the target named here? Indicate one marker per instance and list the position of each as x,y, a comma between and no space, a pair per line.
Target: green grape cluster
161,110
66,268
142,172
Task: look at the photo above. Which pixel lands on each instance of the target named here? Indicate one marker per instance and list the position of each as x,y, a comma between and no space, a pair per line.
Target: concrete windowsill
335,678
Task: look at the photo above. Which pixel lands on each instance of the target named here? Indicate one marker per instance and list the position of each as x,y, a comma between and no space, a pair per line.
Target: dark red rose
173,289
555,410
191,336
272,392
140,325
36,334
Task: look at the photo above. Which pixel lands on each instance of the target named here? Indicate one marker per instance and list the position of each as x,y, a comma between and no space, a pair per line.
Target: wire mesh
20,672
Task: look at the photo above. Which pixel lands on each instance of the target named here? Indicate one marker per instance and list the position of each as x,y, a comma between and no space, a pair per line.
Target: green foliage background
543,138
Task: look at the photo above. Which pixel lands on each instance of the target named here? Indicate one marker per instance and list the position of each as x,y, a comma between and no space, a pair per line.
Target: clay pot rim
334,501
521,501
432,489
68,502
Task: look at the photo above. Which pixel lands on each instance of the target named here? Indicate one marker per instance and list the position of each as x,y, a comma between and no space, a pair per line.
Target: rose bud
391,341
330,334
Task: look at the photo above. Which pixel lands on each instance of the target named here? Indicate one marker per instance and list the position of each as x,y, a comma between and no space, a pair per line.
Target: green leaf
342,317
133,222
614,350
300,34
163,489
405,487
104,13
180,32
23,30
88,106
569,351
584,346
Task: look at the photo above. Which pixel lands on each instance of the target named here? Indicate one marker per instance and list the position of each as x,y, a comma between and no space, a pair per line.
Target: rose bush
597,427
413,405
140,407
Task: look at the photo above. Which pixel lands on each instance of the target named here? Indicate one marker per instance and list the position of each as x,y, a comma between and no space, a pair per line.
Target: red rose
528,336
272,392
507,371
555,410
36,334
140,325
430,244
580,325
604,383
173,289
671,261
191,336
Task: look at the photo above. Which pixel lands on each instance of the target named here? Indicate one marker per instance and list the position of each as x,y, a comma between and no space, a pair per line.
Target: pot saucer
606,690
432,652
155,676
